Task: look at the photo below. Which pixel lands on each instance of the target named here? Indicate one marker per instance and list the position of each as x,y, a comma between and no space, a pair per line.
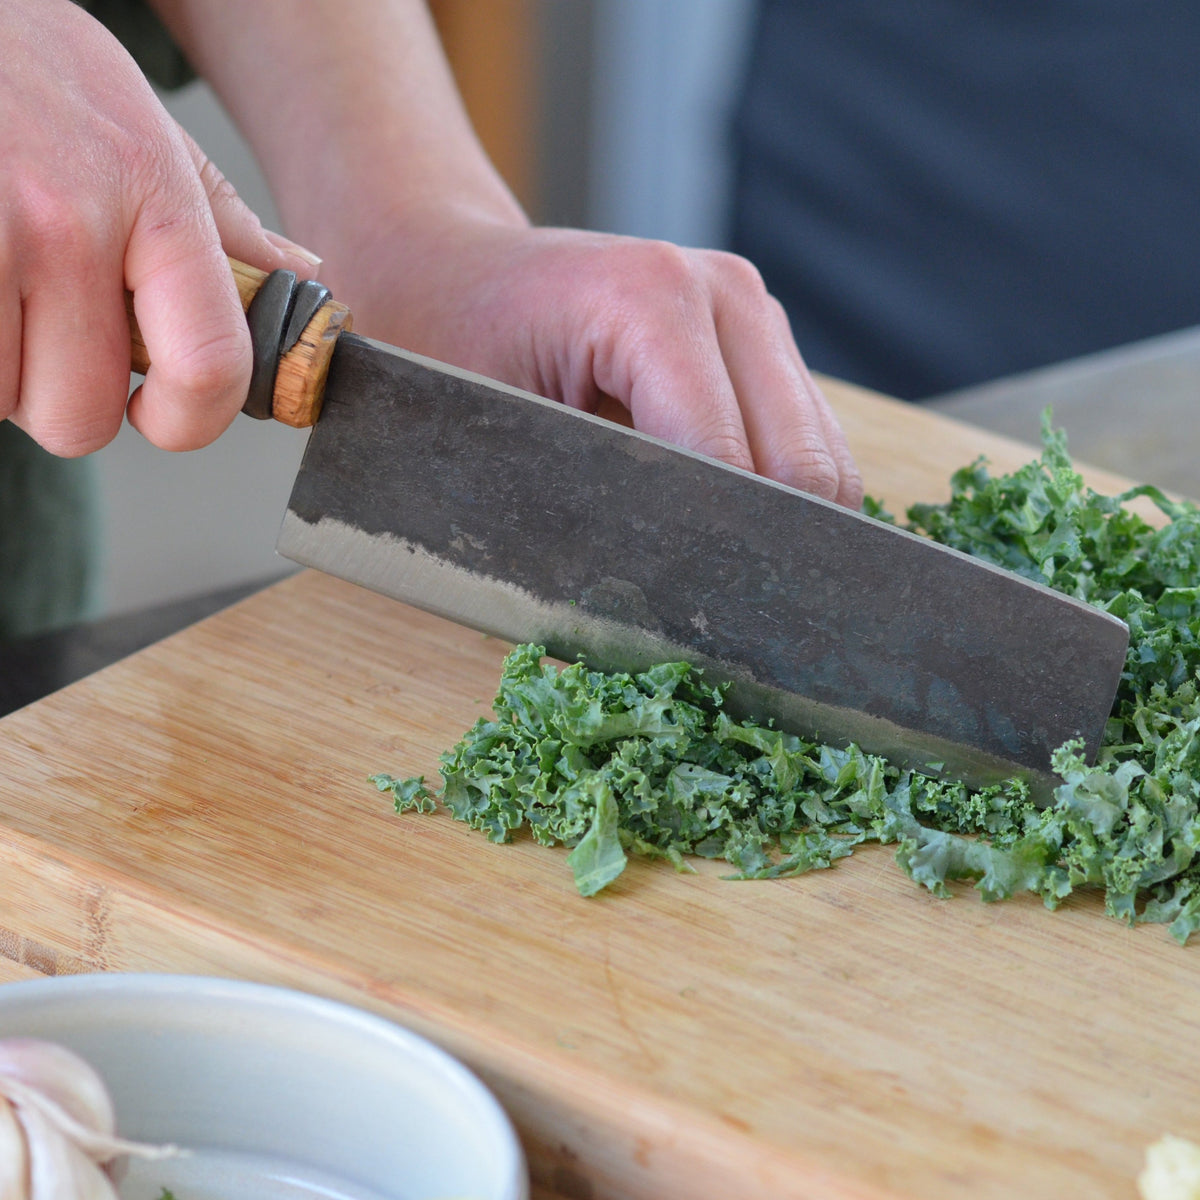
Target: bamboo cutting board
202,807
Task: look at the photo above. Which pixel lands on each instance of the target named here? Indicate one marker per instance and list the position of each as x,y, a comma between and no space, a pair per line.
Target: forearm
353,113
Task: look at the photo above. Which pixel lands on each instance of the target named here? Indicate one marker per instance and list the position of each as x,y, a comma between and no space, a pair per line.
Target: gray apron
941,192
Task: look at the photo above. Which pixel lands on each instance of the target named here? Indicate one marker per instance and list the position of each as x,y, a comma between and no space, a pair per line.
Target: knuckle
777,313
808,468
659,264
57,224
217,188
214,364
73,445
723,439
75,409
162,184
70,437
739,273
147,160
218,192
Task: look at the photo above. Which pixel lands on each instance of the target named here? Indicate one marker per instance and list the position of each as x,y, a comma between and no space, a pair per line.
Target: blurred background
613,115
607,114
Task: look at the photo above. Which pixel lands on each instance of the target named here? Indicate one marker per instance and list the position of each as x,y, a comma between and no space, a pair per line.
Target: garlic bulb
1172,1170
57,1126
14,1161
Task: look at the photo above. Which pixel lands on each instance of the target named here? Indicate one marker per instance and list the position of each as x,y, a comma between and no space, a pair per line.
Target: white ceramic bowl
276,1094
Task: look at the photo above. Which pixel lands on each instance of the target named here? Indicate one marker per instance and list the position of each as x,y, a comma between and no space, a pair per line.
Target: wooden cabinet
493,47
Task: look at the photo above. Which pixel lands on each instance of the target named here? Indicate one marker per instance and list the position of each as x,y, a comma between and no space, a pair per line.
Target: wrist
410,276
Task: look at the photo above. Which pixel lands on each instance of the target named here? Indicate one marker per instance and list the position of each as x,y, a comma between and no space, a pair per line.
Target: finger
685,397
850,488
73,349
666,364
189,312
241,232
793,434
74,370
850,482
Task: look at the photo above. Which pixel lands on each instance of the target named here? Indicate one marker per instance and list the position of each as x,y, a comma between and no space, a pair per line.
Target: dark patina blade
528,520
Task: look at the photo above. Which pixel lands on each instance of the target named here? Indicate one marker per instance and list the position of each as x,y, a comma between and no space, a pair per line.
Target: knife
534,522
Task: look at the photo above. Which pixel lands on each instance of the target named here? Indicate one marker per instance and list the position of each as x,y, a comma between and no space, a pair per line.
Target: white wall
665,73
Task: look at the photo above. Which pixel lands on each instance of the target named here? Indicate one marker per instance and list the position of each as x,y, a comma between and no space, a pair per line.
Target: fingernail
290,247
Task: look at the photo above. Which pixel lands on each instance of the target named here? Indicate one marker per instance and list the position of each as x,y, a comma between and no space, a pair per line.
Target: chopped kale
615,764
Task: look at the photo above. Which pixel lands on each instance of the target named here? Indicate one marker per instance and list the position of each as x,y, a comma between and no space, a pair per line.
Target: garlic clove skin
99,1147
58,1168
61,1076
56,1110
14,1160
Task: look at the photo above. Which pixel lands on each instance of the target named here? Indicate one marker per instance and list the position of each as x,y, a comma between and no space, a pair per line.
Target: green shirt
47,536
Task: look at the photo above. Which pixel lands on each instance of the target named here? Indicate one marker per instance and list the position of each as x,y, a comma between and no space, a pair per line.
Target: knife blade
534,522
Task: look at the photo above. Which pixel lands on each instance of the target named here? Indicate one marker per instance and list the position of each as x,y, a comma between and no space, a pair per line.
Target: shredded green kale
613,764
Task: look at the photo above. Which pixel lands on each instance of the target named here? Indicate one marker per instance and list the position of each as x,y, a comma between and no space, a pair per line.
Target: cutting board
203,807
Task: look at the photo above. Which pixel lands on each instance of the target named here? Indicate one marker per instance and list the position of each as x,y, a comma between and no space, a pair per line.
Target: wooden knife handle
302,370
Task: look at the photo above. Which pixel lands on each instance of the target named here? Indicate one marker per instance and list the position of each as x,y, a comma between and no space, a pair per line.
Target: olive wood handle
302,371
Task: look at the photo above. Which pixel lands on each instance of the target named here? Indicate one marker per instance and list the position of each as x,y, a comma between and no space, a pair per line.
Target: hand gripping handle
294,327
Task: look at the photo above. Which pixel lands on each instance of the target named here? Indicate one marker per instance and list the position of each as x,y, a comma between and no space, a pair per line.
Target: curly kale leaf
611,765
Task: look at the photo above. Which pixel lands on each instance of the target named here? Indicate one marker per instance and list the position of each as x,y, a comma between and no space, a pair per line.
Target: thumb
242,233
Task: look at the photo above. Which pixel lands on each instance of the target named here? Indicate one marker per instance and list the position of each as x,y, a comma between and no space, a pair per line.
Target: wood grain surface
203,807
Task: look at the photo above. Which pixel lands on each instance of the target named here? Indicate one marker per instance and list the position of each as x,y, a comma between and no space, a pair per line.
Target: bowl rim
135,985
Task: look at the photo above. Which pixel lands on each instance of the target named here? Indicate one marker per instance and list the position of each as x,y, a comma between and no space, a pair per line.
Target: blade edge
408,573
